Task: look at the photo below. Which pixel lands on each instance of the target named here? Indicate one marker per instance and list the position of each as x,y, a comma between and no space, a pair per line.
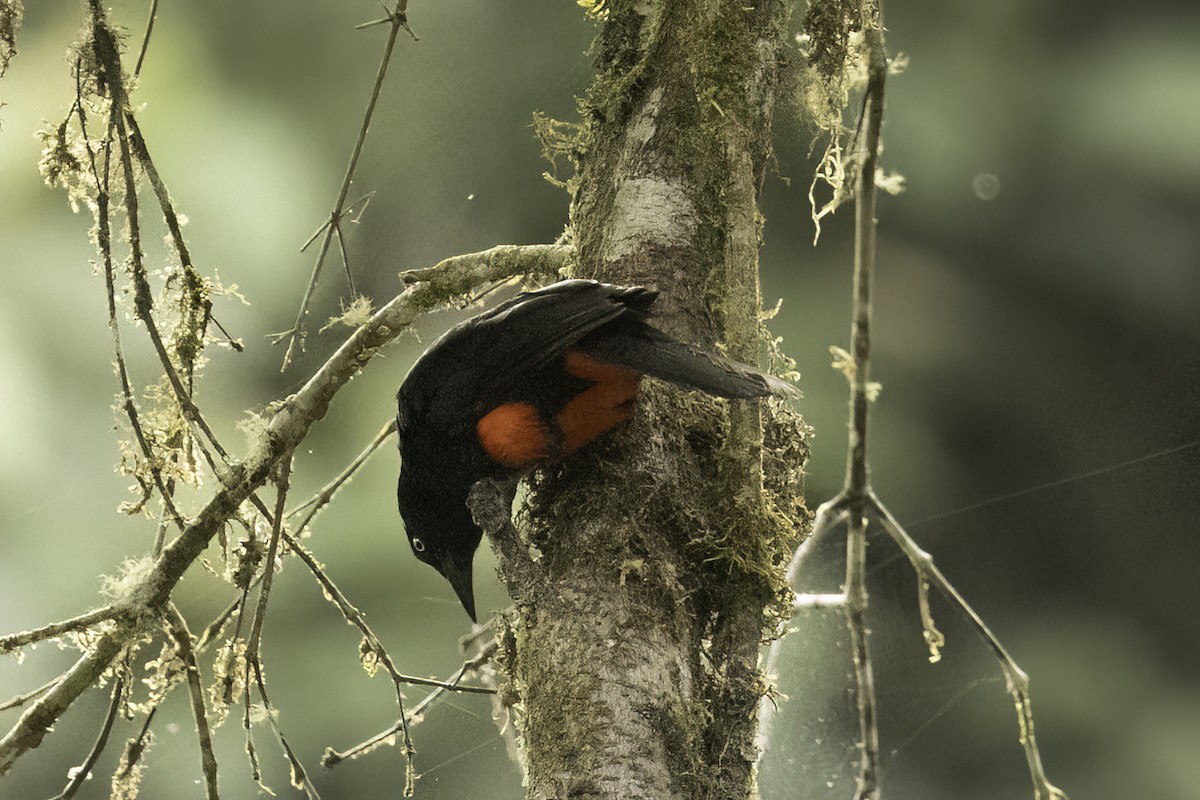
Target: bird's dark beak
460,579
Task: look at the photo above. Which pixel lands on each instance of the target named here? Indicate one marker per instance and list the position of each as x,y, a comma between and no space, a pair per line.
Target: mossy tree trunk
633,651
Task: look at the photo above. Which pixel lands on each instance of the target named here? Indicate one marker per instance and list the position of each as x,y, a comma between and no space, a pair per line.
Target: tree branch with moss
99,155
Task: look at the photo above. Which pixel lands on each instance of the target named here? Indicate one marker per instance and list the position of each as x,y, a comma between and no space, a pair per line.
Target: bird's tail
685,365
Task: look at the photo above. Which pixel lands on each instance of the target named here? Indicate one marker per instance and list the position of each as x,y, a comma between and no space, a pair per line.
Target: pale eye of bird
418,546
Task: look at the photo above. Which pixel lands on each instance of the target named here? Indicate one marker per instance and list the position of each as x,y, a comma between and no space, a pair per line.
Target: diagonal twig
90,619
332,758
187,653
325,494
1016,679
104,243
296,335
81,773
21,699
137,70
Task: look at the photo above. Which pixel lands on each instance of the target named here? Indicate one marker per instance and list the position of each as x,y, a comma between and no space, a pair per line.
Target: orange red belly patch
596,409
513,435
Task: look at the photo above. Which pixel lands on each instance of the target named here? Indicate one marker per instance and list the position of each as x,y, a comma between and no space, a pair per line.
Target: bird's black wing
532,330
631,343
494,354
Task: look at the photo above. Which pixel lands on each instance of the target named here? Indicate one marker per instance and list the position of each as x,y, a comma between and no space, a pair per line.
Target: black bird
530,381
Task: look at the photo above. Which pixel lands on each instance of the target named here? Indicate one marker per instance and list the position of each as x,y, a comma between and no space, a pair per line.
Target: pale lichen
11,13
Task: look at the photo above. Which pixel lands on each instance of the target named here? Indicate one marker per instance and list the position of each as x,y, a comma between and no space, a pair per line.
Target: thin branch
81,773
341,241
235,344
399,14
299,777
857,499
22,699
260,613
253,664
137,70
860,651
122,120
857,480
33,725
143,299
355,617
143,302
248,730
136,747
296,335
326,493
14,641
332,757
183,640
183,393
1016,678
104,243
214,628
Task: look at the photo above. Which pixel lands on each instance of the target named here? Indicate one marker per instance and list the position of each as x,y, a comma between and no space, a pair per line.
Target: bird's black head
441,533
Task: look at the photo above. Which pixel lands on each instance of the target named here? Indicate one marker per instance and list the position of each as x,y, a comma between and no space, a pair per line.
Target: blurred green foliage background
1038,320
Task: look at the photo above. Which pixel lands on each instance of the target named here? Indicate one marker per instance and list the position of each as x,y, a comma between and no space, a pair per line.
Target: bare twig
864,676
137,70
325,494
400,15
355,617
1016,679
248,730
252,661
183,640
214,628
260,613
22,699
296,335
80,774
299,776
857,500
857,481
373,654
104,243
332,757
90,619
